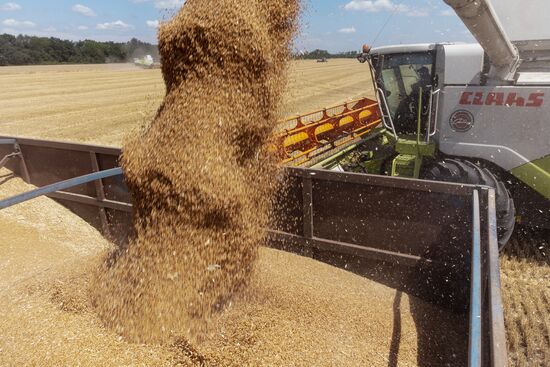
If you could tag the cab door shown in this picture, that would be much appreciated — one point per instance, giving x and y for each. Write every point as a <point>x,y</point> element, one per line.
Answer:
<point>404,78</point>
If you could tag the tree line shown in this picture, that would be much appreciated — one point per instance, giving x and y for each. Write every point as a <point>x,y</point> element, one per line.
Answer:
<point>32,50</point>
<point>324,54</point>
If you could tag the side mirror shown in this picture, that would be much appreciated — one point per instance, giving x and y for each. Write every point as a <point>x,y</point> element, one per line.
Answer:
<point>363,57</point>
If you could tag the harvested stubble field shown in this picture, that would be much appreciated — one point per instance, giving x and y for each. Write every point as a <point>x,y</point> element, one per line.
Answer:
<point>525,278</point>
<point>101,103</point>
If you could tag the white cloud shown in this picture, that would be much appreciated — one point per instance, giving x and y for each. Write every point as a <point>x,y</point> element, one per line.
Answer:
<point>84,10</point>
<point>82,27</point>
<point>373,6</point>
<point>116,25</point>
<point>168,4</point>
<point>418,13</point>
<point>18,23</point>
<point>10,7</point>
<point>347,30</point>
<point>162,4</point>
<point>447,12</point>
<point>152,23</point>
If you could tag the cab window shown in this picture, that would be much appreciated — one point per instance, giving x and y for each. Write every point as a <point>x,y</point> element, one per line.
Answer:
<point>402,76</point>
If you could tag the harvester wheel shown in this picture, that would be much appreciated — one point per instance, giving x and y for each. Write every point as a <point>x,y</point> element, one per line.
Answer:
<point>454,170</point>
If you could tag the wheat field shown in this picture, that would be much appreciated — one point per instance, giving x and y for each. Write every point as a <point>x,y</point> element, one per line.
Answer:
<point>100,104</point>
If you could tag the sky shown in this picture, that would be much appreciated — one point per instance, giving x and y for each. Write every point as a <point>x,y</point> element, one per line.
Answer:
<point>334,25</point>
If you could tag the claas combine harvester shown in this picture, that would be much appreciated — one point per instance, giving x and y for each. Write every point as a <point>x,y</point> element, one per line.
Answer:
<point>465,113</point>
<point>410,187</point>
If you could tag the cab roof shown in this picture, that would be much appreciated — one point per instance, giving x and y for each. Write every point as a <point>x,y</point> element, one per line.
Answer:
<point>396,49</point>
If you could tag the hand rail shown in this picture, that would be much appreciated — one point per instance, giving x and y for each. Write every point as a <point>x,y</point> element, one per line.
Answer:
<point>475,347</point>
<point>498,339</point>
<point>429,124</point>
<point>432,133</point>
<point>58,186</point>
<point>383,100</point>
<point>7,141</point>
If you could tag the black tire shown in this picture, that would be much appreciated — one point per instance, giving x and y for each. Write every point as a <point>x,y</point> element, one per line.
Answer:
<point>462,171</point>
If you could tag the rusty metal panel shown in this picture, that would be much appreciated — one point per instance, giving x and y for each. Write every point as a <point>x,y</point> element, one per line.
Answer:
<point>115,189</point>
<point>361,221</point>
<point>62,166</point>
<point>103,203</point>
<point>422,225</point>
<point>73,147</point>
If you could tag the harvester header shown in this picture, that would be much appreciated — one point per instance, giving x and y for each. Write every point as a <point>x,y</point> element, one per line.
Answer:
<point>302,139</point>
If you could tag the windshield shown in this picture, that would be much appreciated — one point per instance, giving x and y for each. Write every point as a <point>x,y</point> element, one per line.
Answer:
<point>401,76</point>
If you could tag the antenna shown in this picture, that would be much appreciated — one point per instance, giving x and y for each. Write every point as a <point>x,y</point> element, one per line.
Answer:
<point>395,8</point>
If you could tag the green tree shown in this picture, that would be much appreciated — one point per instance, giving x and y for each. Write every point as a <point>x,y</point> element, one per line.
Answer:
<point>28,50</point>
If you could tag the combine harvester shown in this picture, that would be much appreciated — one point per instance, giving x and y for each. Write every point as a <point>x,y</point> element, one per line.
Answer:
<point>444,107</point>
<point>465,113</point>
<point>146,62</point>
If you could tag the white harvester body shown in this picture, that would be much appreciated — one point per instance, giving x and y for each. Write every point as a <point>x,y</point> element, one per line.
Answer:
<point>488,101</point>
<point>146,62</point>
<point>510,122</point>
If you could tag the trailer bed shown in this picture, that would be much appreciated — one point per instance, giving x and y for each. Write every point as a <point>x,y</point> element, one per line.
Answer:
<point>444,250</point>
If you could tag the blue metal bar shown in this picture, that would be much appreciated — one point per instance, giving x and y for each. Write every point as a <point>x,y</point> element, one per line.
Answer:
<point>498,335</point>
<point>475,288</point>
<point>7,141</point>
<point>58,186</point>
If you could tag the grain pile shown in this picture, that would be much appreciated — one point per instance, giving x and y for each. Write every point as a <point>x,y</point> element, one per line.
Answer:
<point>200,174</point>
<point>296,311</point>
<point>525,275</point>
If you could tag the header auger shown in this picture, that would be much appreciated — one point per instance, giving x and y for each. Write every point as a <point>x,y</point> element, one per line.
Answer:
<point>301,140</point>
